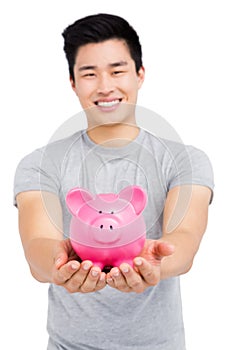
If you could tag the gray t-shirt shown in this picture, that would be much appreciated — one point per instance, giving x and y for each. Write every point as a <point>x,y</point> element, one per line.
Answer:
<point>109,319</point>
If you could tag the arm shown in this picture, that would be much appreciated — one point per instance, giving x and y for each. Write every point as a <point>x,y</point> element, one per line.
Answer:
<point>184,223</point>
<point>50,258</point>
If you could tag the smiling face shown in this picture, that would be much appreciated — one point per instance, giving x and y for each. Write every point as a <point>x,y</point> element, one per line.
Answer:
<point>106,82</point>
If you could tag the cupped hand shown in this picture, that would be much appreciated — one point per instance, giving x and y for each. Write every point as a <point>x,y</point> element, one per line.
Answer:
<point>146,271</point>
<point>73,275</point>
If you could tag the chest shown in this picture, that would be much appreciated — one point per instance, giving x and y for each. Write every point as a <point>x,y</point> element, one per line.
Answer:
<point>104,174</point>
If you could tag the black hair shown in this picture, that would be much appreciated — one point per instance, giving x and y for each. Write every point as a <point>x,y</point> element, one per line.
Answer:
<point>96,29</point>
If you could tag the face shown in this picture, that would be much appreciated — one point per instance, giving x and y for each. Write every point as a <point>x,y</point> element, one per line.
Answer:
<point>106,82</point>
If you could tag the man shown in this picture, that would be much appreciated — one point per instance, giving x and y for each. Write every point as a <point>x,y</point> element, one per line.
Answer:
<point>125,307</point>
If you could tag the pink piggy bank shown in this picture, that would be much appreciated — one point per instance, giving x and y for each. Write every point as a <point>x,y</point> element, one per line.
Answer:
<point>107,229</point>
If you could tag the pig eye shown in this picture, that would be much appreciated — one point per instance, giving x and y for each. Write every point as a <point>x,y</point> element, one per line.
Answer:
<point>112,212</point>
<point>111,228</point>
<point>101,226</point>
<point>100,211</point>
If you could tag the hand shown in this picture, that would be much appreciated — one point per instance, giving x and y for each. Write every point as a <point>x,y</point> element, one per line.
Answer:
<point>73,275</point>
<point>146,271</point>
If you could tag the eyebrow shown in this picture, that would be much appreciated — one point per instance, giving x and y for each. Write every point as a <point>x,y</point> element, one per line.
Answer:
<point>118,64</point>
<point>111,65</point>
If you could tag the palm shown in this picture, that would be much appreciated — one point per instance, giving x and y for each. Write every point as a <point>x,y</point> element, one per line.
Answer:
<point>154,250</point>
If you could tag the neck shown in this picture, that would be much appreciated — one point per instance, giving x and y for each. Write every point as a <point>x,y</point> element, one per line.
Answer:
<point>113,135</point>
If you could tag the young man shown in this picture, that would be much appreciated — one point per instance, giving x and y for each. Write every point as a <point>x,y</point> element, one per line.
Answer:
<point>127,307</point>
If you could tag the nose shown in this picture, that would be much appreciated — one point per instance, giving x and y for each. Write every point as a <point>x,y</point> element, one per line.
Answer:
<point>105,84</point>
<point>106,231</point>
<point>108,223</point>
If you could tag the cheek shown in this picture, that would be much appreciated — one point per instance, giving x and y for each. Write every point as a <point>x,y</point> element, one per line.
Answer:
<point>131,92</point>
<point>81,93</point>
<point>130,86</point>
<point>84,89</point>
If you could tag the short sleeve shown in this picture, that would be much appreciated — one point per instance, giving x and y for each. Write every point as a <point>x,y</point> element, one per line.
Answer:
<point>190,166</point>
<point>36,172</point>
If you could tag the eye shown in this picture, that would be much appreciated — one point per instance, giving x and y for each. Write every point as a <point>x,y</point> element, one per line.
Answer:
<point>100,211</point>
<point>117,72</point>
<point>112,212</point>
<point>111,228</point>
<point>101,226</point>
<point>89,75</point>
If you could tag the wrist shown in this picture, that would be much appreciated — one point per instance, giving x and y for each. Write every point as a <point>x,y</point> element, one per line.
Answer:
<point>40,256</point>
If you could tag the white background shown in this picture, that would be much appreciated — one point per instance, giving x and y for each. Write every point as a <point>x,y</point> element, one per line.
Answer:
<point>187,51</point>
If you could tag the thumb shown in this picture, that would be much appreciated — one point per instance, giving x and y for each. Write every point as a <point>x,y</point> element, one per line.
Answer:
<point>60,254</point>
<point>162,249</point>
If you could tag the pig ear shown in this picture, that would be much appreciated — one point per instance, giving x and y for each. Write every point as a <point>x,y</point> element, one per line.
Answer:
<point>136,196</point>
<point>76,198</point>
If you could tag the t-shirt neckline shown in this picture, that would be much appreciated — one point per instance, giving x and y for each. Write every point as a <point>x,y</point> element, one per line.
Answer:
<point>113,150</point>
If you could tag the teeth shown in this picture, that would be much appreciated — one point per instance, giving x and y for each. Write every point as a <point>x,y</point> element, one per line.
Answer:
<point>107,104</point>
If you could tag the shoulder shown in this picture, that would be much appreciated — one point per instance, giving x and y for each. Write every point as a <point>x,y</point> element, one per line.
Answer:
<point>173,150</point>
<point>54,152</point>
<point>180,163</point>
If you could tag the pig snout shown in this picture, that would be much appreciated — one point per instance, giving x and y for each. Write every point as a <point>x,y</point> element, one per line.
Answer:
<point>106,229</point>
<point>108,223</point>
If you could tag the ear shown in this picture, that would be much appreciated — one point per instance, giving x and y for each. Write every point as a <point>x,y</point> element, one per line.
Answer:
<point>76,198</point>
<point>72,83</point>
<point>136,196</point>
<point>141,76</point>
<point>73,86</point>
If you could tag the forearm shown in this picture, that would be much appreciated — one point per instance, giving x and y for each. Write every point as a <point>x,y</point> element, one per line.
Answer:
<point>39,253</point>
<point>185,218</point>
<point>180,262</point>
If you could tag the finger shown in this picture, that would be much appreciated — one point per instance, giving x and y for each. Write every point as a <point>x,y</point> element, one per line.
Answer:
<point>119,280</point>
<point>133,280</point>
<point>74,283</point>
<point>90,283</point>
<point>101,283</point>
<point>60,276</point>
<point>162,249</point>
<point>83,271</point>
<point>149,273</point>
<point>111,281</point>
